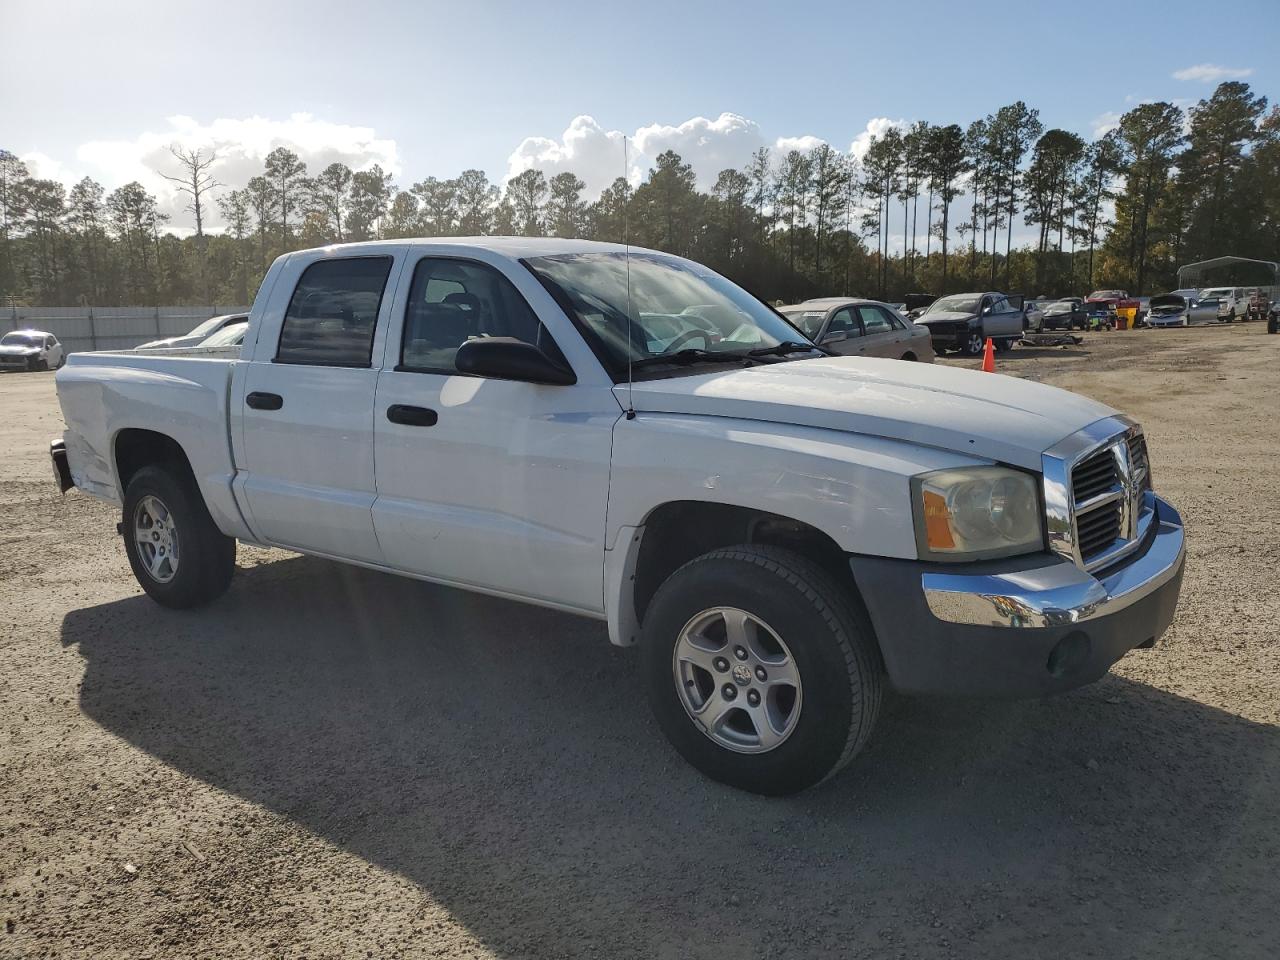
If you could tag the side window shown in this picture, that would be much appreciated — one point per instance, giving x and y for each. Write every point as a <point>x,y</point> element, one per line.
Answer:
<point>844,321</point>
<point>896,321</point>
<point>874,320</point>
<point>333,312</point>
<point>453,301</point>
<point>48,343</point>
<point>1000,305</point>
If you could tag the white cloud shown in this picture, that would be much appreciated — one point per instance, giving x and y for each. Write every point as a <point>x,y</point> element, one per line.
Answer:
<point>876,127</point>
<point>586,149</point>
<point>1104,123</point>
<point>1212,73</point>
<point>241,145</point>
<point>44,167</point>
<point>595,154</point>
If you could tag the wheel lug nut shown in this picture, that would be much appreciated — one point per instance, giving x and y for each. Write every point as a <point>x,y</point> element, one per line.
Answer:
<point>761,675</point>
<point>721,664</point>
<point>753,698</point>
<point>740,652</point>
<point>729,691</point>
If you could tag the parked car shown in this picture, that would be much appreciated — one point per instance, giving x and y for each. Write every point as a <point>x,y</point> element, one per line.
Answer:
<point>783,533</point>
<point>1259,304</point>
<point>963,321</point>
<point>1176,310</point>
<point>198,334</point>
<point>1273,317</point>
<point>916,304</point>
<point>31,350</point>
<point>855,327</point>
<point>1232,302</point>
<point>1065,315</point>
<point>232,335</point>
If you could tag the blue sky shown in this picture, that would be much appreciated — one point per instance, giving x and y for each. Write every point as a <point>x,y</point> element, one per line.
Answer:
<point>431,88</point>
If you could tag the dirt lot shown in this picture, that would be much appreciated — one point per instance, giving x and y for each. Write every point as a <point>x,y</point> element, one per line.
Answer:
<point>335,763</point>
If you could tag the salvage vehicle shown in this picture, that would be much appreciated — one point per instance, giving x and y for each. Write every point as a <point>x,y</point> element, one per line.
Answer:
<point>1232,302</point>
<point>1176,310</point>
<point>198,334</point>
<point>626,435</point>
<point>1099,315</point>
<point>31,350</point>
<point>1033,315</point>
<point>854,327</point>
<point>1064,315</point>
<point>1259,305</point>
<point>963,321</point>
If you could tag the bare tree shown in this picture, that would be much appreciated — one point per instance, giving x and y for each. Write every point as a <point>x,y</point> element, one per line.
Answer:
<point>195,181</point>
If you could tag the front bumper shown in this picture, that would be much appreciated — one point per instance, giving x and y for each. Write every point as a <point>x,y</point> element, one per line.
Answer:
<point>1023,626</point>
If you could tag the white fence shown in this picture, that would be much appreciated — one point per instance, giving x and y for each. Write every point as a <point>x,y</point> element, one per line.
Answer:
<point>109,328</point>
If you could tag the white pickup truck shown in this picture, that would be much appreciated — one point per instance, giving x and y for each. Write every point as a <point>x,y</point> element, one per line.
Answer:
<point>628,436</point>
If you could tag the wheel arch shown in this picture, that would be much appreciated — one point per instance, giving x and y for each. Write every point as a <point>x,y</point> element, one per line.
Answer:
<point>133,448</point>
<point>677,531</point>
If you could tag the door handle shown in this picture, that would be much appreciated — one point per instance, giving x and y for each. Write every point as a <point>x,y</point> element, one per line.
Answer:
<point>411,416</point>
<point>264,401</point>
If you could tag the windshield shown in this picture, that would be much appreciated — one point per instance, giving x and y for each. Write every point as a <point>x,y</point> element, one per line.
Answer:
<point>1216,292</point>
<point>19,340</point>
<point>1106,295</point>
<point>228,336</point>
<point>1058,308</point>
<point>960,303</point>
<point>674,305</point>
<point>809,321</point>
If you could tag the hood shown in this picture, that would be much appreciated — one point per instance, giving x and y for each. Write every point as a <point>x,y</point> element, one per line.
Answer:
<point>1167,302</point>
<point>965,411</point>
<point>170,342</point>
<point>17,350</point>
<point>944,316</point>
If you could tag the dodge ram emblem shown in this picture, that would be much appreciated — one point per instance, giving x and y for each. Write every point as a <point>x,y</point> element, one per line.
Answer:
<point>741,674</point>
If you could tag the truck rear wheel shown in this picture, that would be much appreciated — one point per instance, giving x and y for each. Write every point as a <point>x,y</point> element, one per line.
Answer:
<point>178,555</point>
<point>760,670</point>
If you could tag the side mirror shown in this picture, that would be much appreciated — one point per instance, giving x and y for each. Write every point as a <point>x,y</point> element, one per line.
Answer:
<point>833,336</point>
<point>986,310</point>
<point>505,358</point>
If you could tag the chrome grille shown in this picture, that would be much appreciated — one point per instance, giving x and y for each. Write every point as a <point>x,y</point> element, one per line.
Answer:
<point>1098,500</point>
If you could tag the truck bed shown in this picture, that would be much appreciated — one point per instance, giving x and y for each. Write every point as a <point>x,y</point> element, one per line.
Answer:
<point>183,392</point>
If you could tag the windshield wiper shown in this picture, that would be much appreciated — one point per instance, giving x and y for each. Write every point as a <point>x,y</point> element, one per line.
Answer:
<point>693,355</point>
<point>784,348</point>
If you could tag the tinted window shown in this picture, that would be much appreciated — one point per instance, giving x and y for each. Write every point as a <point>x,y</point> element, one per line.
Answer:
<point>1000,305</point>
<point>874,321</point>
<point>333,312</point>
<point>453,301</point>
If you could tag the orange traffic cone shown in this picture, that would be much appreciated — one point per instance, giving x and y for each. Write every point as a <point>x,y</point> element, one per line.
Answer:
<point>989,357</point>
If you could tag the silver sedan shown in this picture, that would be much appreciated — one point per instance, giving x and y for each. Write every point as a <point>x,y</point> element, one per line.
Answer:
<point>855,327</point>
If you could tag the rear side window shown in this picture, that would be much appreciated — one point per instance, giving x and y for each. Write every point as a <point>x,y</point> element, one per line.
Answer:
<point>453,301</point>
<point>333,313</point>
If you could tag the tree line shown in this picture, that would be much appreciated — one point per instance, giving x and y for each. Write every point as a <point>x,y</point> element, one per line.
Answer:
<point>1165,187</point>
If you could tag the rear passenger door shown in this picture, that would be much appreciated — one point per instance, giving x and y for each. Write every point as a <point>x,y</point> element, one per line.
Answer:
<point>305,443</point>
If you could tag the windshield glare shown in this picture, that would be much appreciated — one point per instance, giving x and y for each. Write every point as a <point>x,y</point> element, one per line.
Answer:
<point>19,340</point>
<point>229,335</point>
<point>1058,308</point>
<point>674,305</point>
<point>961,303</point>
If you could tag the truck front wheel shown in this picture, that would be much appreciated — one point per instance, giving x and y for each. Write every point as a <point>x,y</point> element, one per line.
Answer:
<point>760,669</point>
<point>178,555</point>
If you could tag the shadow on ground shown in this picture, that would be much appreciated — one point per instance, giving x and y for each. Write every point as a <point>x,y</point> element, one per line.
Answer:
<point>502,757</point>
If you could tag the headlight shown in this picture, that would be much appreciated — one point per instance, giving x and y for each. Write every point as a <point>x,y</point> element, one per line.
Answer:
<point>974,513</point>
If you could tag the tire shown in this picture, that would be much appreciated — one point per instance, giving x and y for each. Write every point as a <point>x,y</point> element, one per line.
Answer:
<point>1272,323</point>
<point>165,502</point>
<point>825,640</point>
<point>974,344</point>
<point>42,365</point>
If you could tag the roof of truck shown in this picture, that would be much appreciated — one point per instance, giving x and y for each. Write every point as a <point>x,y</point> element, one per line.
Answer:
<point>514,247</point>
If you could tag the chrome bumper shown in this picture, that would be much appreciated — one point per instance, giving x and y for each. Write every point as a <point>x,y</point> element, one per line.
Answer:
<point>1060,594</point>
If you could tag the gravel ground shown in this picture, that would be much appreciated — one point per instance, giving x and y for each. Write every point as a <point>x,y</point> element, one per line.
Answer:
<point>330,762</point>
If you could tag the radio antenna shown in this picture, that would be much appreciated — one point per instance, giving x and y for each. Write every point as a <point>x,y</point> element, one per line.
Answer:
<point>626,242</point>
